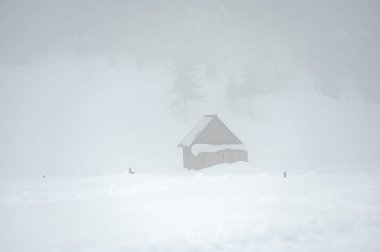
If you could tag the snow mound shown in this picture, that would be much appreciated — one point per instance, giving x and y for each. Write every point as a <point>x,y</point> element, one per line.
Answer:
<point>238,168</point>
<point>201,148</point>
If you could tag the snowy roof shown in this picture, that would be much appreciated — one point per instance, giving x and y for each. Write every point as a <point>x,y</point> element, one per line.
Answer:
<point>210,130</point>
<point>194,133</point>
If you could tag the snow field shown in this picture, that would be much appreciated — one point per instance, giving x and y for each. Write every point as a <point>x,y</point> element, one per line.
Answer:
<point>193,211</point>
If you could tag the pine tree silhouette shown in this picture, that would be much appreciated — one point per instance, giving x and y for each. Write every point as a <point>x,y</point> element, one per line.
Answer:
<point>254,84</point>
<point>186,87</point>
<point>232,93</point>
<point>248,89</point>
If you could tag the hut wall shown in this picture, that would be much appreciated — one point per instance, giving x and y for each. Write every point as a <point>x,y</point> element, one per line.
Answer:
<point>189,160</point>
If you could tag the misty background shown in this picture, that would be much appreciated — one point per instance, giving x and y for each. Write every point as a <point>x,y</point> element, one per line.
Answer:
<point>86,87</point>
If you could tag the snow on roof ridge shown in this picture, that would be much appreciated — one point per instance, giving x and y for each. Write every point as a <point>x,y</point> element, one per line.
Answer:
<point>194,133</point>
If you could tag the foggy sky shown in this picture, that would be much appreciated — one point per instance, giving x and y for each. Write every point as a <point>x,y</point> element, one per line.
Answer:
<point>332,39</point>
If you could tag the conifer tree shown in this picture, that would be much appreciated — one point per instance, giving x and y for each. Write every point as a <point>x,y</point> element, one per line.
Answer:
<point>232,93</point>
<point>248,89</point>
<point>253,85</point>
<point>186,87</point>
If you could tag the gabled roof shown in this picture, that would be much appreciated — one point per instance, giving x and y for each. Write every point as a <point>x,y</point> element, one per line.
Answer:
<point>205,131</point>
<point>196,131</point>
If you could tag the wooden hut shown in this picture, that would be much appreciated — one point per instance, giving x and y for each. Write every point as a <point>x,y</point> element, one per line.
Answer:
<point>211,143</point>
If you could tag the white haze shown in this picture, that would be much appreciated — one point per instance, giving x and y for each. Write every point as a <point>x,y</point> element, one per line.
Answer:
<point>84,84</point>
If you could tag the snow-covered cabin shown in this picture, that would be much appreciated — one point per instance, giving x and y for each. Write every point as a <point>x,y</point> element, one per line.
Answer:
<point>211,143</point>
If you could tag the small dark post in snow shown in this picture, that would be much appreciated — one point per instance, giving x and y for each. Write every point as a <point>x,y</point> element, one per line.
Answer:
<point>43,176</point>
<point>284,174</point>
<point>130,171</point>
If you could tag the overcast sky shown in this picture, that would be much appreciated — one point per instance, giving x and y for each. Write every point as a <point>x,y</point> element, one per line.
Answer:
<point>333,39</point>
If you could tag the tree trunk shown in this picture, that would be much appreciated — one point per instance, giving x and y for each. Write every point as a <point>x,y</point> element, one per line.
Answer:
<point>185,111</point>
<point>250,107</point>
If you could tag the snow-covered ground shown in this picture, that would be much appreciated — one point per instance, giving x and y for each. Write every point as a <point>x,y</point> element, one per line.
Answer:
<point>215,210</point>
